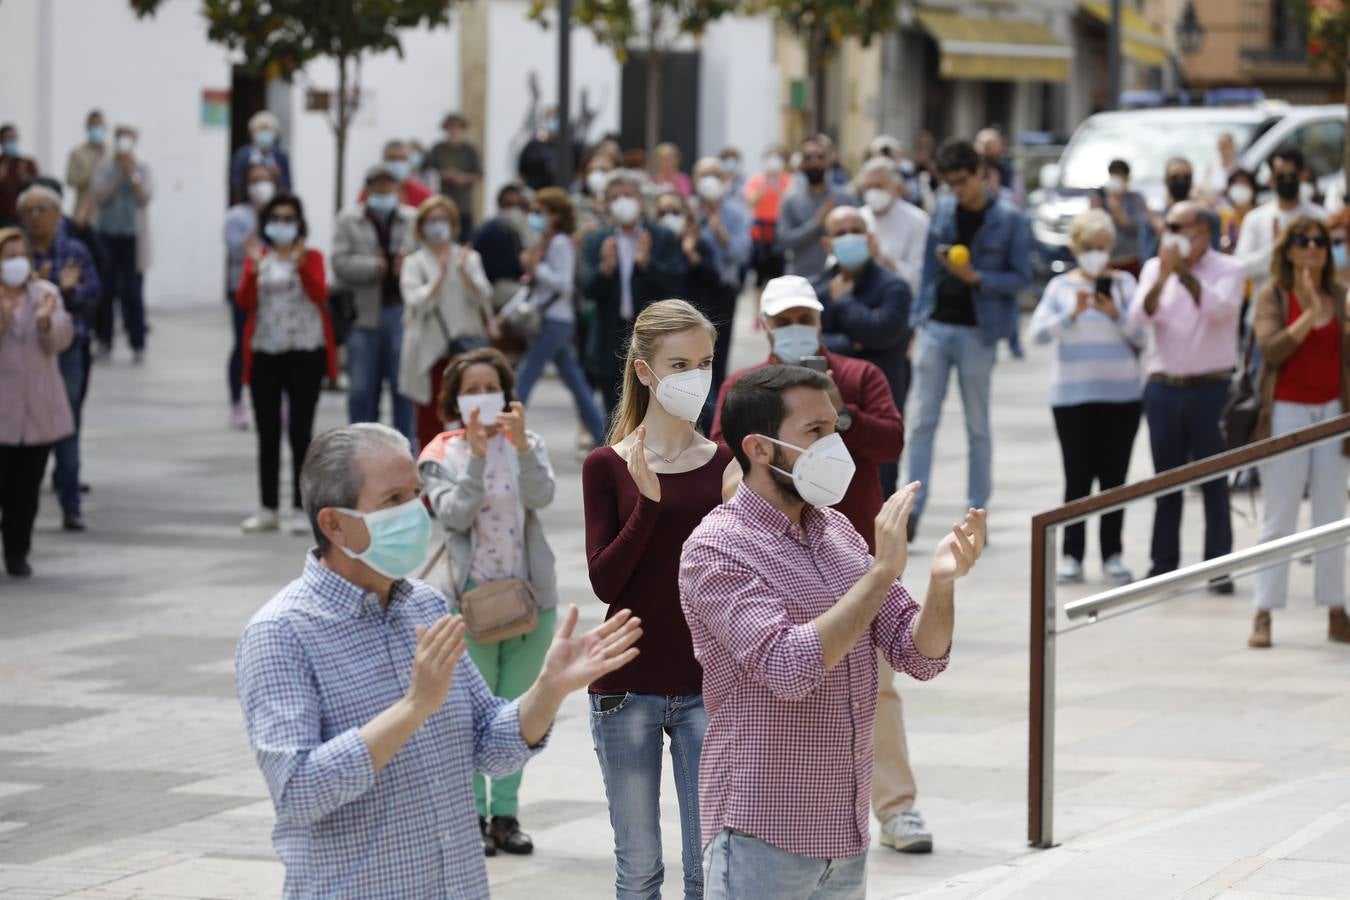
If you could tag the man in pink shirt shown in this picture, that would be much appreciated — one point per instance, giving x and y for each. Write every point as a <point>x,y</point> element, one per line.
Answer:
<point>1190,297</point>
<point>787,611</point>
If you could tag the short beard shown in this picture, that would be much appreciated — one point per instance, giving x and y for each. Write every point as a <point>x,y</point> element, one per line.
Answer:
<point>787,488</point>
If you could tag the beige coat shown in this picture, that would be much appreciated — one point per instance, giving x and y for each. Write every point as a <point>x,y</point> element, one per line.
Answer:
<point>356,257</point>
<point>435,315</point>
<point>1271,328</point>
<point>106,176</point>
<point>34,407</point>
<point>84,159</point>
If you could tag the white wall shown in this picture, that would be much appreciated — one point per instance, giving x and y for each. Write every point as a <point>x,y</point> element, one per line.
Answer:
<point>515,48</point>
<point>738,85</point>
<point>20,72</point>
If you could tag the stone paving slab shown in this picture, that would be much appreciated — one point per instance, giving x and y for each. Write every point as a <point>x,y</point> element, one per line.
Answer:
<point>1188,766</point>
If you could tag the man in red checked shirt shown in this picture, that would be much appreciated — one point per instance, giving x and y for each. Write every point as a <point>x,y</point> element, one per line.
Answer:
<point>787,610</point>
<point>873,433</point>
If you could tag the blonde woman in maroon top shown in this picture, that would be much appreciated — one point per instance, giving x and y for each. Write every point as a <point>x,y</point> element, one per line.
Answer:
<point>1302,327</point>
<point>644,494</point>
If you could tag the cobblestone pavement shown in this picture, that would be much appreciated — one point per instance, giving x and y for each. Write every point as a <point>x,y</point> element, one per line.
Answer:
<point>1189,766</point>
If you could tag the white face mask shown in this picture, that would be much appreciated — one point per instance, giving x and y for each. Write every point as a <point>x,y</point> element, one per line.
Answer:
<point>489,406</point>
<point>1115,185</point>
<point>596,181</point>
<point>15,270</point>
<point>125,144</point>
<point>674,222</point>
<point>1240,194</point>
<point>1093,262</point>
<point>683,394</point>
<point>773,164</point>
<point>878,199</point>
<point>625,210</point>
<point>822,472</point>
<point>1307,191</point>
<point>710,187</point>
<point>261,191</point>
<point>1180,241</point>
<point>437,232</point>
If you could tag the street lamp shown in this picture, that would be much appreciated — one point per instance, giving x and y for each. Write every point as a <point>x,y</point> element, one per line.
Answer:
<point>1190,33</point>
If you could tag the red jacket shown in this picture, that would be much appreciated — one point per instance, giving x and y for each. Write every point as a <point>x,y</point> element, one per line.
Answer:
<point>877,435</point>
<point>313,278</point>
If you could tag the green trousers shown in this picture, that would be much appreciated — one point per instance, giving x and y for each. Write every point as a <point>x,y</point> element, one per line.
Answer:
<point>509,667</point>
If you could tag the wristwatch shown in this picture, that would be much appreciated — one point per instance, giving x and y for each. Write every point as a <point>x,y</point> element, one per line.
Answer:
<point>844,422</point>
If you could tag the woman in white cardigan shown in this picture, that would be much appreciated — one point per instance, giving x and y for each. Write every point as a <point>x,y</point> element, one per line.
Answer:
<point>447,305</point>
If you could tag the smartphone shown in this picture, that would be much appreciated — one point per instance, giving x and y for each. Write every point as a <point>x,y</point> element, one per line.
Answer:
<point>1104,285</point>
<point>944,249</point>
<point>815,362</point>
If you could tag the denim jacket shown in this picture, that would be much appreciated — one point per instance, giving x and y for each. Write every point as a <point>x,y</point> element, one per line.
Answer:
<point>1001,253</point>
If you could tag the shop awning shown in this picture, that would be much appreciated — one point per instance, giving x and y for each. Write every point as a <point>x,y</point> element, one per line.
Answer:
<point>995,49</point>
<point>1139,40</point>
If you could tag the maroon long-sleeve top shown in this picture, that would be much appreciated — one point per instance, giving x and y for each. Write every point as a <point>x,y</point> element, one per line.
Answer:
<point>633,550</point>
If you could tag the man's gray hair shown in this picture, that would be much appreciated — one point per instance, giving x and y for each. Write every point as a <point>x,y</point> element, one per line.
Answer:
<point>630,177</point>
<point>879,164</point>
<point>331,476</point>
<point>38,190</point>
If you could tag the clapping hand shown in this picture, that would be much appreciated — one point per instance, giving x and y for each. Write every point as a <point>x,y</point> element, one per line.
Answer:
<point>644,249</point>
<point>957,552</point>
<point>892,531</point>
<point>70,276</point>
<point>574,662</point>
<point>439,649</point>
<point>609,256</point>
<point>46,308</point>
<point>476,434</point>
<point>511,422</point>
<point>840,285</point>
<point>648,484</point>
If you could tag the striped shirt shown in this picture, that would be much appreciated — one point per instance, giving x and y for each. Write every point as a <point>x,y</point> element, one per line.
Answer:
<point>1096,358</point>
<point>320,660</point>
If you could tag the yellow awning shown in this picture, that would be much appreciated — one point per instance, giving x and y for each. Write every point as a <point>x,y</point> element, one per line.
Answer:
<point>995,49</point>
<point>1139,40</point>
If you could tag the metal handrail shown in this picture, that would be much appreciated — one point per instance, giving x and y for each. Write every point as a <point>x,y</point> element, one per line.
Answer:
<point>1041,724</point>
<point>1240,562</point>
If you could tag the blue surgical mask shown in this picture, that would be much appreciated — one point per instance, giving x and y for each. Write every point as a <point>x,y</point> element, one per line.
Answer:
<point>264,138</point>
<point>551,124</point>
<point>537,222</point>
<point>96,134</point>
<point>400,168</point>
<point>399,538</point>
<point>416,160</point>
<point>437,233</point>
<point>11,148</point>
<point>382,203</point>
<point>1338,256</point>
<point>281,232</point>
<point>793,342</point>
<point>851,250</point>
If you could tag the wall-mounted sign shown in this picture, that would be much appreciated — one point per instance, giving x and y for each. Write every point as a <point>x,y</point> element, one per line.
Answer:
<point>216,108</point>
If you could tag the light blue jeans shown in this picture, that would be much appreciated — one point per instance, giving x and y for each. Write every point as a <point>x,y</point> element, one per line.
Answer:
<point>628,740</point>
<point>937,349</point>
<point>554,344</point>
<point>372,359</point>
<point>737,866</point>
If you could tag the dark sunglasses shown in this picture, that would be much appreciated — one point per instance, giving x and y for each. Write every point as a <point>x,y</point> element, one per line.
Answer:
<point>1304,241</point>
<point>1178,227</point>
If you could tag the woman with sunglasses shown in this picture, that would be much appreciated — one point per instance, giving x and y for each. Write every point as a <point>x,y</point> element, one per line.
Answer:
<point>288,348</point>
<point>1302,328</point>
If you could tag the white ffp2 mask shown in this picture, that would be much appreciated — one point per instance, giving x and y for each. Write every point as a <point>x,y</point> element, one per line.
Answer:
<point>822,472</point>
<point>683,394</point>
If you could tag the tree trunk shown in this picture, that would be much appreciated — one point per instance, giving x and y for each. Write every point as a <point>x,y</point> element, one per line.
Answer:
<point>815,67</point>
<point>1345,159</point>
<point>655,59</point>
<point>340,134</point>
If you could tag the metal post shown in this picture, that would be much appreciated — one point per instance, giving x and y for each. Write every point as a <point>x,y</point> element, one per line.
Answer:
<point>1113,57</point>
<point>564,136</point>
<point>1041,733</point>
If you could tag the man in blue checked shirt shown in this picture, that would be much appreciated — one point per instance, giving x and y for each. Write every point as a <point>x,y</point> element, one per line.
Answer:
<point>366,720</point>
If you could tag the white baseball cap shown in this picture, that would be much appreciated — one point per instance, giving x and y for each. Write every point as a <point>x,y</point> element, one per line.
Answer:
<point>788,292</point>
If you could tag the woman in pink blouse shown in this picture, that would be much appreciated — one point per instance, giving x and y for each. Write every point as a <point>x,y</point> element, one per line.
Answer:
<point>668,170</point>
<point>34,409</point>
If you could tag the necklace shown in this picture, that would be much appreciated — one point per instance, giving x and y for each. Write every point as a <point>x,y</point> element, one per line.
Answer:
<point>693,436</point>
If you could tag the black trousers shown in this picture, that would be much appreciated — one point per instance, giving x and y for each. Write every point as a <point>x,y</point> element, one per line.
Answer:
<point>21,469</point>
<point>298,375</point>
<point>1096,440</point>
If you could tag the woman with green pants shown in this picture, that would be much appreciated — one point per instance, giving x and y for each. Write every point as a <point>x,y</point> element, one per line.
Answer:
<point>486,481</point>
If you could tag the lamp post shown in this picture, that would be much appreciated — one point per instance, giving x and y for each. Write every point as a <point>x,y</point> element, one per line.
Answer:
<point>1113,57</point>
<point>1190,33</point>
<point>564,136</point>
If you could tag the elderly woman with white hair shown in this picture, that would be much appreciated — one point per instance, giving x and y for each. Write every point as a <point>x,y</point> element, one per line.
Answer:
<point>1095,382</point>
<point>264,149</point>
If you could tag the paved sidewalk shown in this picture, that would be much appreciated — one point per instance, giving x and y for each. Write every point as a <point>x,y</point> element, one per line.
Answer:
<point>1189,766</point>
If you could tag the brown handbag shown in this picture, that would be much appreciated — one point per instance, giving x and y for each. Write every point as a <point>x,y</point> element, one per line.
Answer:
<point>499,610</point>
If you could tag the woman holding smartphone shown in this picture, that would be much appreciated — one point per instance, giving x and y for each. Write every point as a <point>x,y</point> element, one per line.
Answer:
<point>1095,382</point>
<point>644,494</point>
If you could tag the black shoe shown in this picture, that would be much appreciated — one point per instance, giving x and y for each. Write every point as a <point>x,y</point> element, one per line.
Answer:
<point>72,522</point>
<point>506,834</point>
<point>18,568</point>
<point>1222,585</point>
<point>489,845</point>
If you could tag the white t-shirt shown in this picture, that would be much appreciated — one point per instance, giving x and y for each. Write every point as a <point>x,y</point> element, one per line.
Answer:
<point>901,233</point>
<point>1260,229</point>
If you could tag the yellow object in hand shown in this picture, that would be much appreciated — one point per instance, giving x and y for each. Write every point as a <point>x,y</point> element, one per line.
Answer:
<point>959,255</point>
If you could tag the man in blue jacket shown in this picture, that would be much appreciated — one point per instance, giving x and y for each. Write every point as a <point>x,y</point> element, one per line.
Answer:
<point>866,309</point>
<point>967,304</point>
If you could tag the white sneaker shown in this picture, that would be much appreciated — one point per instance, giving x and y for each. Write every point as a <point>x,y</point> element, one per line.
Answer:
<point>263,520</point>
<point>1115,570</point>
<point>297,523</point>
<point>907,833</point>
<point>1070,571</point>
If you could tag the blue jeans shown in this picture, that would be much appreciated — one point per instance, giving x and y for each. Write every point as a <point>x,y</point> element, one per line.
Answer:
<point>372,359</point>
<point>235,366</point>
<point>937,349</point>
<point>67,451</point>
<point>554,344</point>
<point>737,866</point>
<point>125,285</point>
<point>628,740</point>
<point>1183,425</point>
